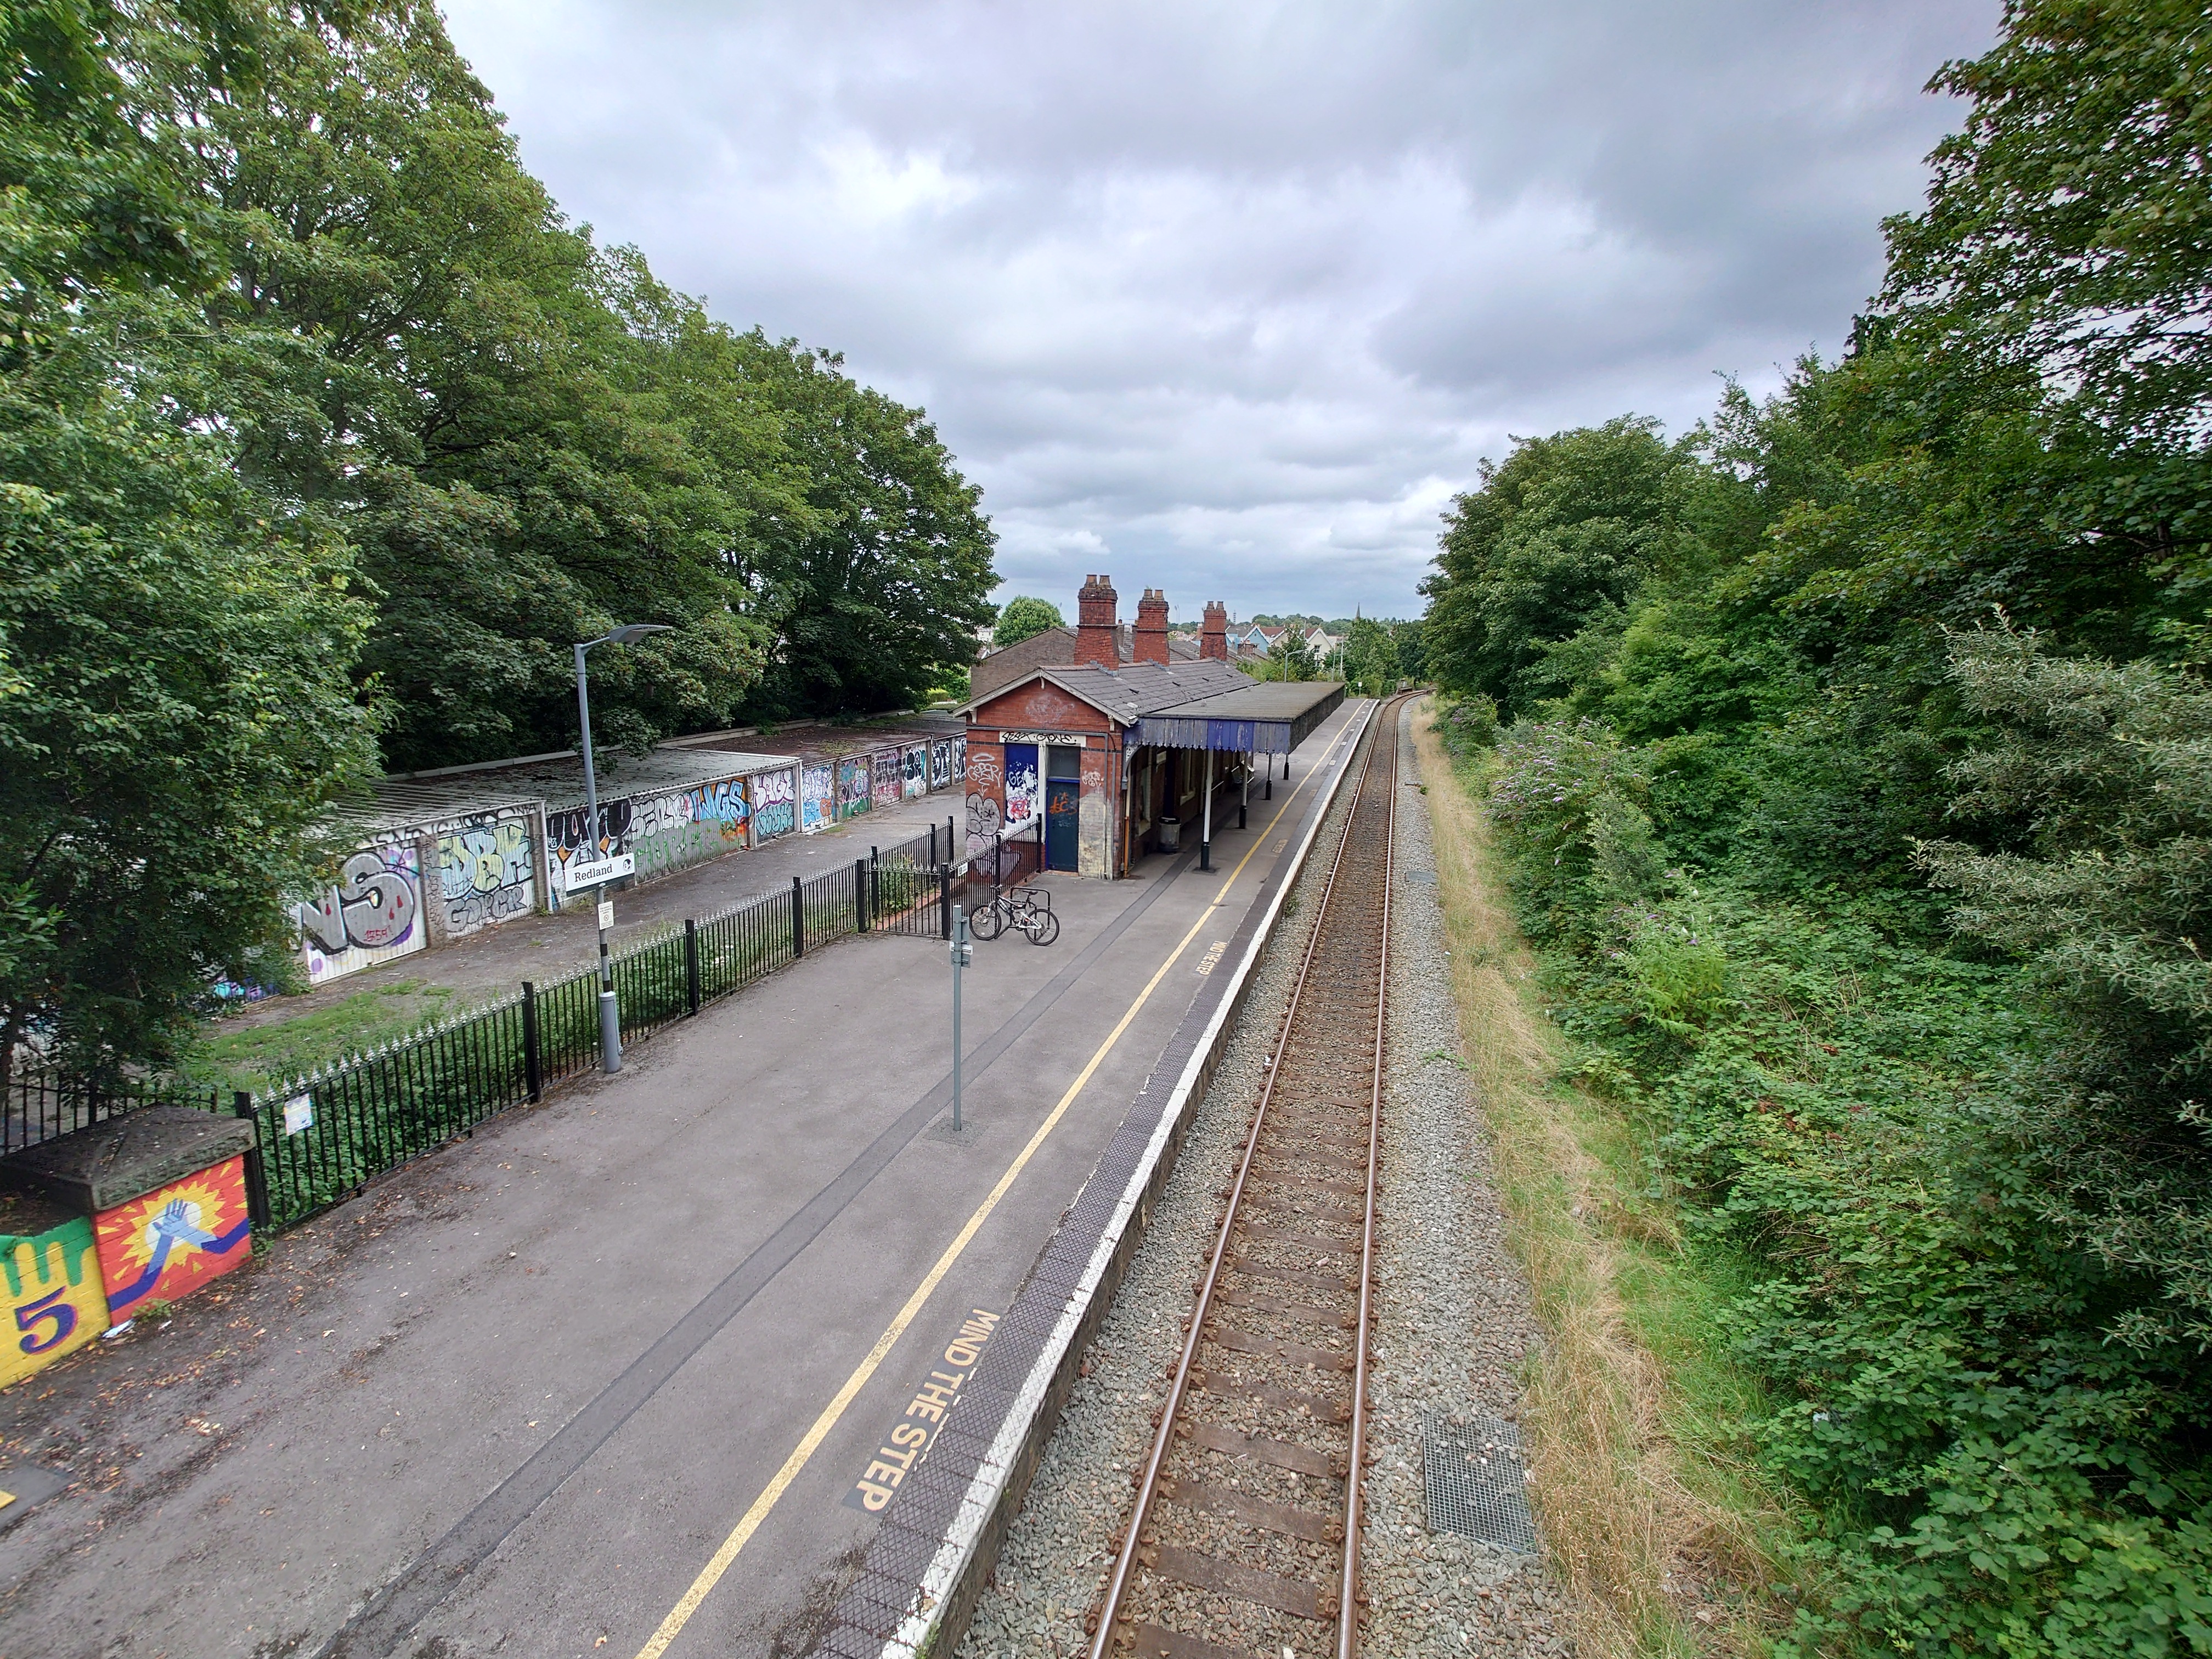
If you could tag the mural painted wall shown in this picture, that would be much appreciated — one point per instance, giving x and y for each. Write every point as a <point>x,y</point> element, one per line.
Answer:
<point>487,873</point>
<point>817,796</point>
<point>1020,792</point>
<point>568,840</point>
<point>173,1240</point>
<point>674,830</point>
<point>987,796</point>
<point>54,1290</point>
<point>372,914</point>
<point>886,769</point>
<point>914,771</point>
<point>941,773</point>
<point>776,804</point>
<point>853,792</point>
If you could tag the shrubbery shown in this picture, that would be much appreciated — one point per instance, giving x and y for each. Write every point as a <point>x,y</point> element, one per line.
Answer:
<point>1858,789</point>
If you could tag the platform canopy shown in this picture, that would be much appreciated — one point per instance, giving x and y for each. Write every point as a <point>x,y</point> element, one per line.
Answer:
<point>1260,718</point>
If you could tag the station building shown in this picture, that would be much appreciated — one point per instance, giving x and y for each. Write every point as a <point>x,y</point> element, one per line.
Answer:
<point>1129,749</point>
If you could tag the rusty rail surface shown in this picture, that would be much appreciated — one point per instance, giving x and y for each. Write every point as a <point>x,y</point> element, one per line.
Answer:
<point>1244,1538</point>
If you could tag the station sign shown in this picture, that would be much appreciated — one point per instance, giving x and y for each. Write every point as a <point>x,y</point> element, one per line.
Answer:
<point>590,872</point>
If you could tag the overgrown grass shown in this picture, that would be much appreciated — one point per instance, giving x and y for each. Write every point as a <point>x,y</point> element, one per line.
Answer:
<point>1652,1512</point>
<point>254,1057</point>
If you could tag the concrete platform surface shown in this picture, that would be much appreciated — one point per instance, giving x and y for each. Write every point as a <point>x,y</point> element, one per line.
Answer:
<point>612,1367</point>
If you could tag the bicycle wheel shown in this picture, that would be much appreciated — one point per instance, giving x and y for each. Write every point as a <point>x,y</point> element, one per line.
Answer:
<point>1041,925</point>
<point>990,921</point>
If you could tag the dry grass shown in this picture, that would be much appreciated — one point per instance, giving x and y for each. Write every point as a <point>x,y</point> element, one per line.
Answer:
<point>1657,1562</point>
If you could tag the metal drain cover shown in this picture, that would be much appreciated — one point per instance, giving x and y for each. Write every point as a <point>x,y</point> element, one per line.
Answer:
<point>1472,1475</point>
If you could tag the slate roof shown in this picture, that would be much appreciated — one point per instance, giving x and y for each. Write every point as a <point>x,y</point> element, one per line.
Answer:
<point>1135,688</point>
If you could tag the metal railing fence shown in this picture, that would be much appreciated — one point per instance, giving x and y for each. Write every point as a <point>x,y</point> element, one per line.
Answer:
<point>325,1134</point>
<point>42,1102</point>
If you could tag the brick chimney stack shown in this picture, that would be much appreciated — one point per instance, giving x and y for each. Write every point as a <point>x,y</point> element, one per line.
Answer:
<point>1150,644</point>
<point>1213,632</point>
<point>1096,630</point>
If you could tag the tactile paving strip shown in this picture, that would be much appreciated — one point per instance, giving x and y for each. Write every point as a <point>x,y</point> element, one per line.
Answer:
<point>1475,1480</point>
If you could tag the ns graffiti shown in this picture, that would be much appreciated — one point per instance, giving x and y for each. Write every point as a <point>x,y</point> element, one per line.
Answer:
<point>369,915</point>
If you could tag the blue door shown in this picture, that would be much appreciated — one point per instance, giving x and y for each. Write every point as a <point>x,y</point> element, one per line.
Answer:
<point>1060,819</point>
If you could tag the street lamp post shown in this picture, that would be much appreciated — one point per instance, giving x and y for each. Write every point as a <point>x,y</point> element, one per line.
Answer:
<point>609,1014</point>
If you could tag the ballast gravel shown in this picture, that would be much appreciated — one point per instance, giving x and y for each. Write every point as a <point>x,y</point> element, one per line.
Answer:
<point>1453,1324</point>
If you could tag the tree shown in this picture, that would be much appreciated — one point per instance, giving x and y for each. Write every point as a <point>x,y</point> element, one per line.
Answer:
<point>880,589</point>
<point>2067,227</point>
<point>1557,537</point>
<point>1023,618</point>
<point>175,710</point>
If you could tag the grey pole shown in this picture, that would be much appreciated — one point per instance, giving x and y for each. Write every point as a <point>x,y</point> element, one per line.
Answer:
<point>962,954</point>
<point>609,1014</point>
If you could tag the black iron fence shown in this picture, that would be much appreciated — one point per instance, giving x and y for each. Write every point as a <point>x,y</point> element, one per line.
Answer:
<point>42,1102</point>
<point>326,1135</point>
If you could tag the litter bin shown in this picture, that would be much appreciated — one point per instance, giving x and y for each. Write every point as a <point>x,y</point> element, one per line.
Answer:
<point>1170,835</point>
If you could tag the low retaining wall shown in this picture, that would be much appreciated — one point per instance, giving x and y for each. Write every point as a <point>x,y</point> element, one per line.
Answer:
<point>918,1586</point>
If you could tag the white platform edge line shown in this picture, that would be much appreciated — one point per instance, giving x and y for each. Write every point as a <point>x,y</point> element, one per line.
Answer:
<point>966,1529</point>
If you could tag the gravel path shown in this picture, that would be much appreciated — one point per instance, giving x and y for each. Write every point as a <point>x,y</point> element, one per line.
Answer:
<point>1453,1326</point>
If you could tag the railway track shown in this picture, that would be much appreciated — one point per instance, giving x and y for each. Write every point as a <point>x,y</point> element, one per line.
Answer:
<point>1244,1541</point>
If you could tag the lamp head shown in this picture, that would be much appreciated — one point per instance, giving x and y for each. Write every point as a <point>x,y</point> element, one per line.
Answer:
<point>631,633</point>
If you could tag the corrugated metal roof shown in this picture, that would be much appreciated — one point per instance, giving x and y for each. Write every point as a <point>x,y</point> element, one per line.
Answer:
<point>399,803</point>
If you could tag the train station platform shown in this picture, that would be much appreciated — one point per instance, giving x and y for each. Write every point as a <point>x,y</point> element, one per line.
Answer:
<point>632,1371</point>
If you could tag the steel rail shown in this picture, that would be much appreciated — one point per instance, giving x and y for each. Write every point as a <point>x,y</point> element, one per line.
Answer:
<point>1163,1442</point>
<point>1347,1619</point>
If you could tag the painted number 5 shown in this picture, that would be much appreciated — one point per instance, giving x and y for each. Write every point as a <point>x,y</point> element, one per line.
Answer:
<point>31,1314</point>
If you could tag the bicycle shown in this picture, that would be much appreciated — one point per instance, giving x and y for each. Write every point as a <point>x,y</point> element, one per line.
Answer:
<point>1029,908</point>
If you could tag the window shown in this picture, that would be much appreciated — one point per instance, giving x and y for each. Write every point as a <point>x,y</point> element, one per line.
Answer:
<point>1062,762</point>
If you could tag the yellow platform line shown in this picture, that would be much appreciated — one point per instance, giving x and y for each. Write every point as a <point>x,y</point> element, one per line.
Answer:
<point>749,1522</point>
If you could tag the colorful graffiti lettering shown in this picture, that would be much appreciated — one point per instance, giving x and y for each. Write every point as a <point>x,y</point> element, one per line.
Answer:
<point>367,917</point>
<point>1021,783</point>
<point>175,1238</point>
<point>566,836</point>
<point>776,813</point>
<point>55,1293</point>
<point>888,790</point>
<point>817,798</point>
<point>487,873</point>
<point>853,792</point>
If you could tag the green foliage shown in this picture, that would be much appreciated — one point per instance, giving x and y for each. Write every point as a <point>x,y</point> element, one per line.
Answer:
<point>323,434</point>
<point>174,713</point>
<point>1858,792</point>
<point>1023,618</point>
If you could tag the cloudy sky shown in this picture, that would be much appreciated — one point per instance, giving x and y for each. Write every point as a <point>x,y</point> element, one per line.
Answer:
<point>1231,298</point>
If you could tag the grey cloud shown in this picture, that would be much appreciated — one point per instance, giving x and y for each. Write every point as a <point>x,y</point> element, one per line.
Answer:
<point>1236,297</point>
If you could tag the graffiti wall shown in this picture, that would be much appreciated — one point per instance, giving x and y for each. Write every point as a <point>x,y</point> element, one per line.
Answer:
<point>914,771</point>
<point>776,811</point>
<point>487,873</point>
<point>569,844</point>
<point>940,763</point>
<point>817,796</point>
<point>986,814</point>
<point>852,786</point>
<point>887,772</point>
<point>372,914</point>
<point>1020,793</point>
<point>175,1238</point>
<point>54,1290</point>
<point>683,827</point>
